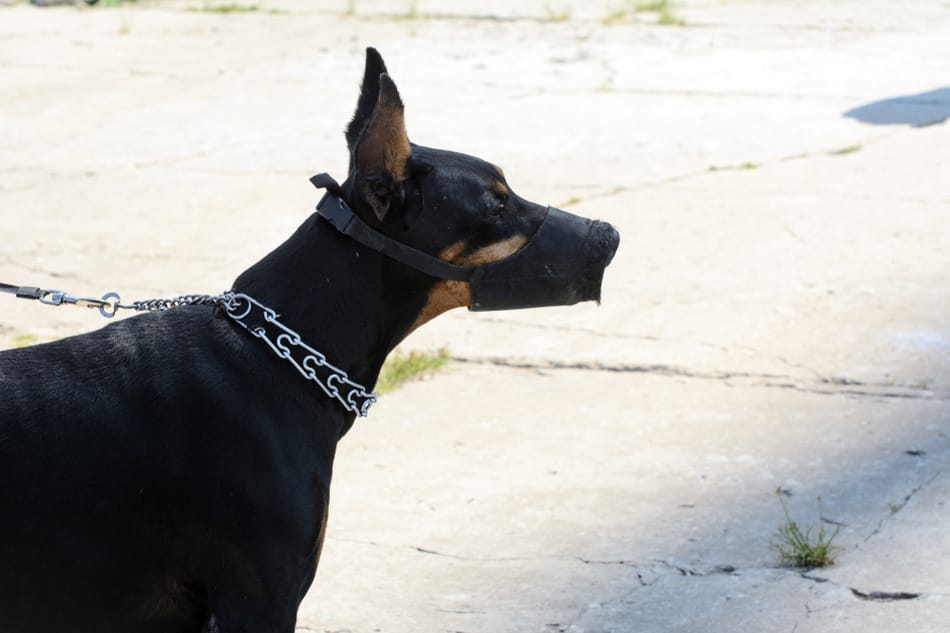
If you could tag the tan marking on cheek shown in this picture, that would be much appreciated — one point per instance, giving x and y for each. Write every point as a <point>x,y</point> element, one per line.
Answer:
<point>448,294</point>
<point>450,252</point>
<point>494,252</point>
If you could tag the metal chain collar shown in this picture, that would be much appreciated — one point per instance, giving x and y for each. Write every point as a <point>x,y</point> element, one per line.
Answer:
<point>256,318</point>
<point>262,323</point>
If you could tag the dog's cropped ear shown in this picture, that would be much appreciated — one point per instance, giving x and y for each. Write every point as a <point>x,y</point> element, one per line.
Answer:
<point>380,160</point>
<point>369,95</point>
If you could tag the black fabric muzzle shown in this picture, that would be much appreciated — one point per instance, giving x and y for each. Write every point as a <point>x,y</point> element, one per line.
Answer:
<point>562,264</point>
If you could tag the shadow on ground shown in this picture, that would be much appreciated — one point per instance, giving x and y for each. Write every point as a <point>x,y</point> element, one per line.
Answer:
<point>920,110</point>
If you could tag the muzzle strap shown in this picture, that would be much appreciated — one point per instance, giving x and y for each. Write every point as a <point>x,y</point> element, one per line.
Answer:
<point>561,264</point>
<point>334,210</point>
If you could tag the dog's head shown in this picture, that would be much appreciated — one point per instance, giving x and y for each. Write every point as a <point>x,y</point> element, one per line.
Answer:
<point>462,210</point>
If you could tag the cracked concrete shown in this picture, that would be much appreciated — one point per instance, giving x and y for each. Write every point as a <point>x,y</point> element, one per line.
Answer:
<point>776,317</point>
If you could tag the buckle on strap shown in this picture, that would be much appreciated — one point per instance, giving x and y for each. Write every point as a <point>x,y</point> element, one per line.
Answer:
<point>335,211</point>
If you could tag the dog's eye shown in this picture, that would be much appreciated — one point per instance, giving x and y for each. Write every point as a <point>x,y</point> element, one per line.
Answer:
<point>497,208</point>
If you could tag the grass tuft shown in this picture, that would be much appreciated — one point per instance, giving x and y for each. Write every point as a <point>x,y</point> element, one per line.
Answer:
<point>556,14</point>
<point>25,340</point>
<point>401,367</point>
<point>802,548</point>
<point>412,12</point>
<point>746,166</point>
<point>663,9</point>
<point>850,149</point>
<point>231,7</point>
<point>614,16</point>
<point>668,18</point>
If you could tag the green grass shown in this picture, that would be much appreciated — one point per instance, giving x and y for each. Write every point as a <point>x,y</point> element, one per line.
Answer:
<point>401,367</point>
<point>615,16</point>
<point>803,548</point>
<point>231,7</point>
<point>412,12</point>
<point>850,149</point>
<point>665,14</point>
<point>746,166</point>
<point>668,17</point>
<point>556,14</point>
<point>24,340</point>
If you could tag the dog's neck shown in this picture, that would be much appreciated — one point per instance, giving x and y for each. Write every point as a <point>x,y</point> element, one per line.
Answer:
<point>344,299</point>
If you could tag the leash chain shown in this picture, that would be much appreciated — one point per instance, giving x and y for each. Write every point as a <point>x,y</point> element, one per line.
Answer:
<point>262,323</point>
<point>151,305</point>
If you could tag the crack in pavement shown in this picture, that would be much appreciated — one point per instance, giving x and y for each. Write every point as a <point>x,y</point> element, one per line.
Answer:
<point>432,552</point>
<point>697,173</point>
<point>668,569</point>
<point>870,596</point>
<point>730,570</point>
<point>837,385</point>
<point>653,564</point>
<point>896,508</point>
<point>884,596</point>
<point>575,329</point>
<point>757,353</point>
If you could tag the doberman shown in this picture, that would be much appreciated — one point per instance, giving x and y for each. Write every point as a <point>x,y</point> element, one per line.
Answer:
<point>171,471</point>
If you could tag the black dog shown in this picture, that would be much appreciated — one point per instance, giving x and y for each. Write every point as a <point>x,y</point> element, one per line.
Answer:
<point>171,472</point>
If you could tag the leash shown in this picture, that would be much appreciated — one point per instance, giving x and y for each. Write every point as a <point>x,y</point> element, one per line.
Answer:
<point>107,305</point>
<point>259,320</point>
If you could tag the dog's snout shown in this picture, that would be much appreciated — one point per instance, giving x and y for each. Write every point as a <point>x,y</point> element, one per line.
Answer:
<point>607,237</point>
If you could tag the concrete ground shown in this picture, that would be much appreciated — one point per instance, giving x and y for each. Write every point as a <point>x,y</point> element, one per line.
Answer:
<point>778,315</point>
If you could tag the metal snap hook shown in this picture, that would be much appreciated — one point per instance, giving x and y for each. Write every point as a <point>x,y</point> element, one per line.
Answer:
<point>110,302</point>
<point>51,297</point>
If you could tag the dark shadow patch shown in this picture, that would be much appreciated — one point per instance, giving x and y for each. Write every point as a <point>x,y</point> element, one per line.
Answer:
<point>920,110</point>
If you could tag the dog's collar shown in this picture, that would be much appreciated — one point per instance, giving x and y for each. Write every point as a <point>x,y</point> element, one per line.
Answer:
<point>334,210</point>
<point>262,323</point>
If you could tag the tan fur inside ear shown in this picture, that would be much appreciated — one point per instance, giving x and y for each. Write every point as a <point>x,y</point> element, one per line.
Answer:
<point>384,145</point>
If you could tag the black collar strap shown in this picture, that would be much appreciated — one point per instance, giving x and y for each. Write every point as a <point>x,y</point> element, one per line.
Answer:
<point>334,210</point>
